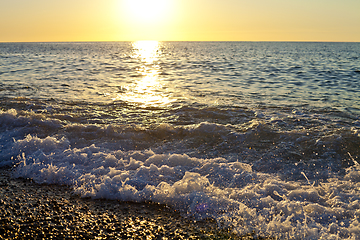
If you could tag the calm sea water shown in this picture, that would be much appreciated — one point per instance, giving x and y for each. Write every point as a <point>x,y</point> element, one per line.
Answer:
<point>262,137</point>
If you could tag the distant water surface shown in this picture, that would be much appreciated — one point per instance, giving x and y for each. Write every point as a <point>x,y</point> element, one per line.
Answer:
<point>231,73</point>
<point>262,137</point>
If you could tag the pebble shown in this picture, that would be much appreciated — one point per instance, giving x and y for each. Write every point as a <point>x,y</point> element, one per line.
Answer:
<point>32,211</point>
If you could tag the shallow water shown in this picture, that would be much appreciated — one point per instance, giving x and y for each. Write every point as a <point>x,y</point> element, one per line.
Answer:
<point>262,137</point>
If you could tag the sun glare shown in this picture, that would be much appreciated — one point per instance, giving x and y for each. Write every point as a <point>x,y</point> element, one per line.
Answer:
<point>147,11</point>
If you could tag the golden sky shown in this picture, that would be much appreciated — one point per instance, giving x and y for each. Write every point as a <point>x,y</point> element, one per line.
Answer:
<point>179,20</point>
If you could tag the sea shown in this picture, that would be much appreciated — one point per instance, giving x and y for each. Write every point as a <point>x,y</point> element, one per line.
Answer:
<point>262,137</point>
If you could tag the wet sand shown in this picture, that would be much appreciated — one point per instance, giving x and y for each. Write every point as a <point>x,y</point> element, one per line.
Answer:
<point>33,211</point>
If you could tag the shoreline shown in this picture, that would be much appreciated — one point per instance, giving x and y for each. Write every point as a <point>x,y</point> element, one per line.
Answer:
<point>31,210</point>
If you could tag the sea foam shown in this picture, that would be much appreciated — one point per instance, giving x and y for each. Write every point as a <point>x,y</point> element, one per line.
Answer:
<point>230,192</point>
<point>253,135</point>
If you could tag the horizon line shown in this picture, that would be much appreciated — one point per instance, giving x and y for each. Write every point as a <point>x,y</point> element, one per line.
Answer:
<point>104,41</point>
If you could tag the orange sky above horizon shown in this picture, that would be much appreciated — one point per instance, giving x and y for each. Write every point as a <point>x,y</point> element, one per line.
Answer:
<point>179,20</point>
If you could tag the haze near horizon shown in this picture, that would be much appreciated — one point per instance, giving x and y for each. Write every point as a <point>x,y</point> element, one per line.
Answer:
<point>179,20</point>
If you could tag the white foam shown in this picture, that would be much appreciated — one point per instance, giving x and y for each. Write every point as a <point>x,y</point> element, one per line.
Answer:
<point>230,192</point>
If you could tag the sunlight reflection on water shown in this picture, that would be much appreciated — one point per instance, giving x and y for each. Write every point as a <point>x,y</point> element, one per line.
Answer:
<point>146,90</point>
<point>147,51</point>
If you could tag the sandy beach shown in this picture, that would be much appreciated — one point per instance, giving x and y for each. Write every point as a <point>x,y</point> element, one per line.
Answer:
<point>32,211</point>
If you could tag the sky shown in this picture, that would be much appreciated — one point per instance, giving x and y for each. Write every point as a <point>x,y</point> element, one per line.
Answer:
<point>179,20</point>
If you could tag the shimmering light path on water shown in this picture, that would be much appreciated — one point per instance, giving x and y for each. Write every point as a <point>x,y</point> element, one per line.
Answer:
<point>264,138</point>
<point>234,73</point>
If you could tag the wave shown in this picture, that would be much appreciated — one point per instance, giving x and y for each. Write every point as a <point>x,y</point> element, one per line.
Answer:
<point>230,192</point>
<point>279,174</point>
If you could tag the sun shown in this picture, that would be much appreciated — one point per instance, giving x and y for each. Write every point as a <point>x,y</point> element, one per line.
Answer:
<point>146,19</point>
<point>147,11</point>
